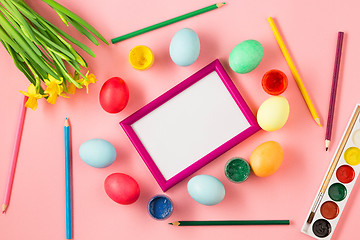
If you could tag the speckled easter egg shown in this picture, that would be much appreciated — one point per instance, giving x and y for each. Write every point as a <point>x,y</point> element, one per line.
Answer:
<point>246,56</point>
<point>206,190</point>
<point>185,47</point>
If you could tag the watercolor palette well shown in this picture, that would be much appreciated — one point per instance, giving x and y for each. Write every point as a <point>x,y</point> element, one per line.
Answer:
<point>337,184</point>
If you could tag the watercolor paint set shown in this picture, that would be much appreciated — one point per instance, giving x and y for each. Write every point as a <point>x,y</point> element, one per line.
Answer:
<point>337,184</point>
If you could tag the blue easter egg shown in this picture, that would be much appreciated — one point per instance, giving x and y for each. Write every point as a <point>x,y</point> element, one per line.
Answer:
<point>185,47</point>
<point>206,190</point>
<point>97,153</point>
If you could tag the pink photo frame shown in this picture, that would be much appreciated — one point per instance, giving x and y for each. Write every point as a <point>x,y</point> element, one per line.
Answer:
<point>190,125</point>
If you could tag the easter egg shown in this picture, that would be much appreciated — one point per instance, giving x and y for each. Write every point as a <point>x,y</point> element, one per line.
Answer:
<point>206,190</point>
<point>266,159</point>
<point>114,95</point>
<point>122,188</point>
<point>273,113</point>
<point>97,153</point>
<point>246,56</point>
<point>185,47</point>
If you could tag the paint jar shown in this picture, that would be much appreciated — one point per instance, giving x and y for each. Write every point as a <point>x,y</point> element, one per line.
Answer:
<point>141,57</point>
<point>160,207</point>
<point>237,170</point>
<point>274,82</point>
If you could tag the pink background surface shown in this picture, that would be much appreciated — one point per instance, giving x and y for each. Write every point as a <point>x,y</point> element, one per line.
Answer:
<point>309,28</point>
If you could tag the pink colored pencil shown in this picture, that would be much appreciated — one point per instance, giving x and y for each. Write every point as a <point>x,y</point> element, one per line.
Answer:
<point>14,155</point>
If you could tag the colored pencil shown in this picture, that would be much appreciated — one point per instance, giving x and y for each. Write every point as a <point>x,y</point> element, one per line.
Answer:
<point>333,165</point>
<point>294,71</point>
<point>167,22</point>
<point>333,89</point>
<point>231,223</point>
<point>15,154</point>
<point>67,179</point>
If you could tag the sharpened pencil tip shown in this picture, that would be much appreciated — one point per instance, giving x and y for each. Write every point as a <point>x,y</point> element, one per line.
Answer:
<point>317,120</point>
<point>4,207</point>
<point>170,224</point>
<point>327,144</point>
<point>66,124</point>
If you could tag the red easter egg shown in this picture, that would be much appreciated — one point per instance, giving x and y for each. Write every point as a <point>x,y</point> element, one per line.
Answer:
<point>114,95</point>
<point>122,188</point>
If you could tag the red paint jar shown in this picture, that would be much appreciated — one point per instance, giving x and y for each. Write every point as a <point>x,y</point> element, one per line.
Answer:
<point>274,82</point>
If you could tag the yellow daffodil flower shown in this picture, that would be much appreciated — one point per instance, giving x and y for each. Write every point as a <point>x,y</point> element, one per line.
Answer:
<point>54,89</point>
<point>85,82</point>
<point>33,96</point>
<point>71,87</point>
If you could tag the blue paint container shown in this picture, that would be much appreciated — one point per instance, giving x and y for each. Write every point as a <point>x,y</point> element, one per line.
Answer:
<point>160,207</point>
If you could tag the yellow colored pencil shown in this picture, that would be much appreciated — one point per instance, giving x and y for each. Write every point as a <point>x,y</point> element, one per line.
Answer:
<point>294,72</point>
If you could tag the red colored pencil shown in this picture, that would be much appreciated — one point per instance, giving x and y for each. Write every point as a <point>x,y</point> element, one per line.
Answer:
<point>333,90</point>
<point>14,155</point>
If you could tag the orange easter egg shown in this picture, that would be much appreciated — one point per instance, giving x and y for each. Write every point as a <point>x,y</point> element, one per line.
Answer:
<point>266,159</point>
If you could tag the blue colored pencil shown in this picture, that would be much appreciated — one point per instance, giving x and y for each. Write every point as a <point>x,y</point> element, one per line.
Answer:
<point>67,179</point>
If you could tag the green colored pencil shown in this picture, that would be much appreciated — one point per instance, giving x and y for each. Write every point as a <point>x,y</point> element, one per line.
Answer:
<point>167,22</point>
<point>232,222</point>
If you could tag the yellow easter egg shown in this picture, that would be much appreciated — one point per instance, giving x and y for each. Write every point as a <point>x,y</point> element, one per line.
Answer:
<point>273,113</point>
<point>266,159</point>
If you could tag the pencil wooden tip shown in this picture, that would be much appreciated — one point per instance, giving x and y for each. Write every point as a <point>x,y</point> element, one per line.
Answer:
<point>317,120</point>
<point>327,143</point>
<point>175,223</point>
<point>4,206</point>
<point>66,124</point>
<point>219,5</point>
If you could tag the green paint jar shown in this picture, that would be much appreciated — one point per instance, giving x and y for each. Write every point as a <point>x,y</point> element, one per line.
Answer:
<point>237,170</point>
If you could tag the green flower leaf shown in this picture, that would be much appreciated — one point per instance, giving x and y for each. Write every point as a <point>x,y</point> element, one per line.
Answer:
<point>75,17</point>
<point>62,17</point>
